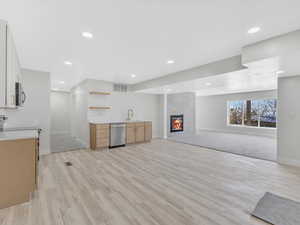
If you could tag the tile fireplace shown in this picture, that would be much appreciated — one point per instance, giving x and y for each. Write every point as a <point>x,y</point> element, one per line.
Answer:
<point>176,123</point>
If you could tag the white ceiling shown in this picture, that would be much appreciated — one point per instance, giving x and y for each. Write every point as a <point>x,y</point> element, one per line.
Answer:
<point>138,36</point>
<point>235,82</point>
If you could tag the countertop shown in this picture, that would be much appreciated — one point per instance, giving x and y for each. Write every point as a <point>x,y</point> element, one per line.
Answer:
<point>20,128</point>
<point>19,134</point>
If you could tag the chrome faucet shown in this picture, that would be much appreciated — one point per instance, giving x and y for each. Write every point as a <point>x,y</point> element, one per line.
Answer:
<point>3,118</point>
<point>130,114</point>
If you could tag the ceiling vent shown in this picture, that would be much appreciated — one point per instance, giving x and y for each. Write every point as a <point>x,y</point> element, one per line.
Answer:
<point>120,87</point>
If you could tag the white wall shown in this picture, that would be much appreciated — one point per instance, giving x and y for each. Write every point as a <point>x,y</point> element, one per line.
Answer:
<point>79,119</point>
<point>211,69</point>
<point>182,103</point>
<point>36,111</point>
<point>289,120</point>
<point>145,106</point>
<point>60,103</point>
<point>211,113</point>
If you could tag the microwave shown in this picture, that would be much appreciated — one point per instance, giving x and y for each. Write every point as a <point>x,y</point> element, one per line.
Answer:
<point>20,94</point>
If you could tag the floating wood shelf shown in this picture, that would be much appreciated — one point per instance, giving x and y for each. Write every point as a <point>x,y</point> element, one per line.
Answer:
<point>99,107</point>
<point>99,93</point>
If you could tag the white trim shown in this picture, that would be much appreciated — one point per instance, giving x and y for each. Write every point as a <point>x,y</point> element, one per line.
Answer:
<point>252,127</point>
<point>57,90</point>
<point>157,137</point>
<point>238,132</point>
<point>60,133</point>
<point>86,145</point>
<point>44,151</point>
<point>288,161</point>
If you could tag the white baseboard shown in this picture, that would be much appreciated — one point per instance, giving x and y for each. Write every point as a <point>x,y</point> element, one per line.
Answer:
<point>157,137</point>
<point>60,133</point>
<point>238,132</point>
<point>86,145</point>
<point>44,151</point>
<point>289,162</point>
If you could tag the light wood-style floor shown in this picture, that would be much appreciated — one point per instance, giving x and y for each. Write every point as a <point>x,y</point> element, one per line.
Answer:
<point>158,183</point>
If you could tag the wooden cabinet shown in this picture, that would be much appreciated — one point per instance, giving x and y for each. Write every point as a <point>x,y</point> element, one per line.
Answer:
<point>138,132</point>
<point>37,158</point>
<point>18,171</point>
<point>130,133</point>
<point>148,131</point>
<point>99,136</point>
<point>10,69</point>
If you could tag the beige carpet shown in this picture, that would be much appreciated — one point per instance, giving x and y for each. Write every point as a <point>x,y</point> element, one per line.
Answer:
<point>251,146</point>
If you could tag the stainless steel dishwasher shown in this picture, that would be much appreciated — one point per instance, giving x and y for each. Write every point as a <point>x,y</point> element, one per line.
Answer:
<point>117,135</point>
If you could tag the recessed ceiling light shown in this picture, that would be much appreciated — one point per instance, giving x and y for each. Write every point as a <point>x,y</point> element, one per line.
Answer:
<point>87,35</point>
<point>61,82</point>
<point>254,30</point>
<point>280,72</point>
<point>207,83</point>
<point>170,61</point>
<point>133,75</point>
<point>68,63</point>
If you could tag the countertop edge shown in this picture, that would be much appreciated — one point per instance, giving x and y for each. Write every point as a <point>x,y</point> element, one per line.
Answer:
<point>18,135</point>
<point>140,121</point>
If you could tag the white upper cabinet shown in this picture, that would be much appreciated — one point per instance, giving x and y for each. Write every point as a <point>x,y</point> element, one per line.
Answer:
<point>11,72</point>
<point>2,64</point>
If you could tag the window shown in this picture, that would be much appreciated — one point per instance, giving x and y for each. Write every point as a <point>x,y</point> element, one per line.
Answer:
<point>253,113</point>
<point>268,113</point>
<point>236,112</point>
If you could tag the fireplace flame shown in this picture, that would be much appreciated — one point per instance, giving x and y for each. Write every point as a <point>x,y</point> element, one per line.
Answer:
<point>177,124</point>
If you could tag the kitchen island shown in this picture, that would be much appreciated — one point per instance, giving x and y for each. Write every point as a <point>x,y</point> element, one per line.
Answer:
<point>136,132</point>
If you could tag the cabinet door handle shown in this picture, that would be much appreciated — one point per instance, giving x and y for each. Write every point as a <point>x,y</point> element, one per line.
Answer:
<point>23,97</point>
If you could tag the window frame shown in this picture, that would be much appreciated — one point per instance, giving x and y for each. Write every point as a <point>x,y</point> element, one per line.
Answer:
<point>243,118</point>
